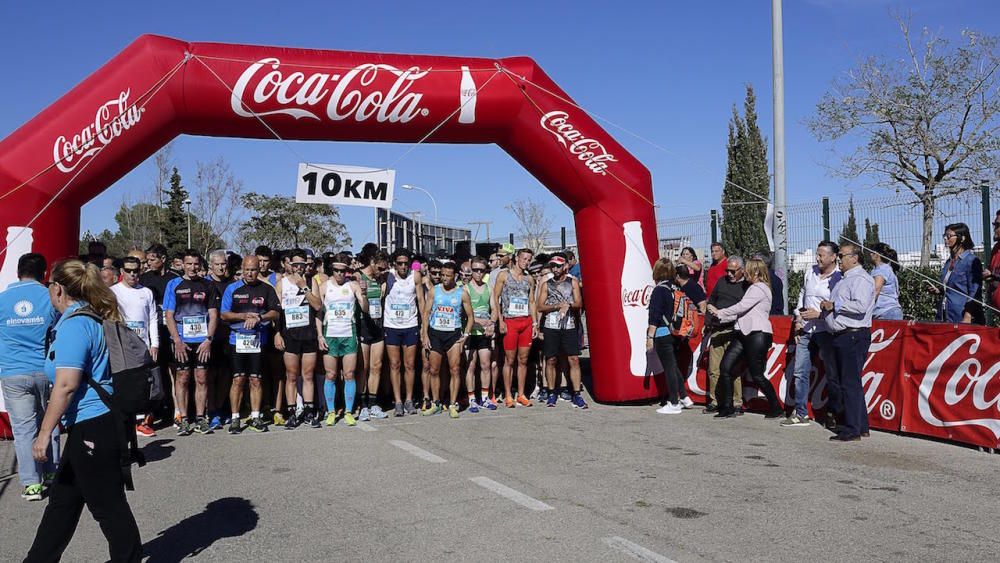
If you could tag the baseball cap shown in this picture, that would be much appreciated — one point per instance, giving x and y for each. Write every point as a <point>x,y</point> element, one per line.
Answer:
<point>558,261</point>
<point>507,248</point>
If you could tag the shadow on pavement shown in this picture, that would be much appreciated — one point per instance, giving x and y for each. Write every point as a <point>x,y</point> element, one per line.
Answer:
<point>157,450</point>
<point>223,518</point>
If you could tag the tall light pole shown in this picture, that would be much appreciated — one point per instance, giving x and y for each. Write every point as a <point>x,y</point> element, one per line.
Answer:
<point>187,203</point>
<point>780,232</point>
<point>434,203</point>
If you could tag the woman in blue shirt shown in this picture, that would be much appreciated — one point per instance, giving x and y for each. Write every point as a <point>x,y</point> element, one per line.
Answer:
<point>658,337</point>
<point>962,278</point>
<point>886,263</point>
<point>90,469</point>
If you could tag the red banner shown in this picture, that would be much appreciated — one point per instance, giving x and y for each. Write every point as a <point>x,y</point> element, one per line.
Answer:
<point>950,388</point>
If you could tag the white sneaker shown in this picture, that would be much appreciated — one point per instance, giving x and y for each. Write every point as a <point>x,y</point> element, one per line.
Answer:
<point>364,416</point>
<point>687,403</point>
<point>377,412</point>
<point>670,408</point>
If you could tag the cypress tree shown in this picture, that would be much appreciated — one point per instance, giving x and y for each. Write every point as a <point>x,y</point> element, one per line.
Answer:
<point>849,232</point>
<point>174,226</point>
<point>746,171</point>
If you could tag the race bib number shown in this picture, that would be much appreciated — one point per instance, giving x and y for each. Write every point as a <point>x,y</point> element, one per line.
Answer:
<point>555,320</point>
<point>138,327</point>
<point>297,317</point>
<point>292,302</point>
<point>517,307</point>
<point>247,343</point>
<point>445,318</point>
<point>482,315</point>
<point>338,320</point>
<point>375,308</point>
<point>401,310</point>
<point>195,327</point>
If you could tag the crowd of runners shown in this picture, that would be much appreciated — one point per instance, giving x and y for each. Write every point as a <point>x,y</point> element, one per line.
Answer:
<point>287,338</point>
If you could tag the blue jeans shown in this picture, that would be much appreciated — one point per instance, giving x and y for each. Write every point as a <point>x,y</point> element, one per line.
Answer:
<point>805,345</point>
<point>26,397</point>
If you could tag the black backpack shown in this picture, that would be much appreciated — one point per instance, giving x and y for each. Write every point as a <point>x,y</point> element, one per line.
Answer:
<point>132,378</point>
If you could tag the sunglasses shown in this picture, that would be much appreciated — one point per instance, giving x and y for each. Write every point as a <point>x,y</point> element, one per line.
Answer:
<point>850,254</point>
<point>466,274</point>
<point>298,264</point>
<point>479,270</point>
<point>435,272</point>
<point>728,271</point>
<point>131,270</point>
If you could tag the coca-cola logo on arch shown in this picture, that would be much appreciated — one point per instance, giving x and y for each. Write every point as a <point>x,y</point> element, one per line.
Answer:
<point>971,391</point>
<point>359,94</point>
<point>111,120</point>
<point>637,297</point>
<point>593,154</point>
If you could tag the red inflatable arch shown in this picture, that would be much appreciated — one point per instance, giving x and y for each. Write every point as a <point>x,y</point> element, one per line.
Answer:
<point>159,88</point>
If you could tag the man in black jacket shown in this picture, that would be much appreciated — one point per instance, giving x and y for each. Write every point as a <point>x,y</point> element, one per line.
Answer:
<point>728,291</point>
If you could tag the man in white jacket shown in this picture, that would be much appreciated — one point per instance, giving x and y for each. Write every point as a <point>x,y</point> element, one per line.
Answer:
<point>138,307</point>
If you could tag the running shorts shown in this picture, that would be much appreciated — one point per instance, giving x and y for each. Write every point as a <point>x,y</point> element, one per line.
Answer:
<point>248,365</point>
<point>479,342</point>
<point>340,346</point>
<point>442,340</point>
<point>402,336</point>
<point>518,333</point>
<point>560,342</point>
<point>299,347</point>
<point>192,359</point>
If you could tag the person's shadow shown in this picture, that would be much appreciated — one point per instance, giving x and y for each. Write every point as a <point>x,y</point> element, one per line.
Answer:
<point>222,518</point>
<point>157,450</point>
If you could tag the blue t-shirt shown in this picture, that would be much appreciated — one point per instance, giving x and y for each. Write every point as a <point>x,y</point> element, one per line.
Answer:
<point>26,313</point>
<point>78,343</point>
<point>189,301</point>
<point>888,298</point>
<point>259,298</point>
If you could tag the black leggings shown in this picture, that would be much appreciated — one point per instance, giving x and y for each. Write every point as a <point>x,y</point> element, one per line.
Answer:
<point>89,474</point>
<point>665,351</point>
<point>753,348</point>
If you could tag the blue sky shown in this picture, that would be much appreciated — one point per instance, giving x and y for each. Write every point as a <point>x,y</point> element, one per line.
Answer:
<point>668,70</point>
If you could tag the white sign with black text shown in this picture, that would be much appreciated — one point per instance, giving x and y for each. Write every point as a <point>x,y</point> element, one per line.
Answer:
<point>338,184</point>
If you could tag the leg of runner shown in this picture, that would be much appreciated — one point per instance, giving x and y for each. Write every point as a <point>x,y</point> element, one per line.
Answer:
<point>410,376</point>
<point>425,377</point>
<point>181,380</point>
<point>470,378</point>
<point>434,367</point>
<point>330,388</point>
<point>508,377</point>
<point>550,373</point>
<point>365,358</point>
<point>393,353</point>
<point>374,363</point>
<point>256,405</point>
<point>522,375</point>
<point>487,372</point>
<point>235,399</point>
<point>308,386</point>
<point>278,365</point>
<point>293,366</point>
<point>454,368</point>
<point>574,377</point>
<point>350,387</point>
<point>201,400</point>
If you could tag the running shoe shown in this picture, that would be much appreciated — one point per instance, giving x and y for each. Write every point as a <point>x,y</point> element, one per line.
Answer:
<point>349,419</point>
<point>145,431</point>
<point>215,423</point>
<point>201,426</point>
<point>794,421</point>
<point>409,408</point>
<point>177,421</point>
<point>565,395</point>
<point>278,419</point>
<point>291,423</point>
<point>235,427</point>
<point>32,492</point>
<point>453,410</point>
<point>490,404</point>
<point>473,405</point>
<point>48,479</point>
<point>578,402</point>
<point>427,404</point>
<point>315,420</point>
<point>398,409</point>
<point>509,403</point>
<point>551,402</point>
<point>184,428</point>
<point>687,403</point>
<point>331,418</point>
<point>365,415</point>
<point>435,408</point>
<point>671,408</point>
<point>377,413</point>
<point>523,401</point>
<point>258,424</point>
<point>543,395</point>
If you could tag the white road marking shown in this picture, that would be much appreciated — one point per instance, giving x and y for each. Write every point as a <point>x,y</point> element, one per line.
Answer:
<point>367,427</point>
<point>509,493</point>
<point>635,550</point>
<point>422,454</point>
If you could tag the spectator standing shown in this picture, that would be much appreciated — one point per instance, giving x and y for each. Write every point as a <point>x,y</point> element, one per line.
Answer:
<point>689,258</point>
<point>659,338</point>
<point>777,284</point>
<point>717,270</point>
<point>961,278</point>
<point>753,337</point>
<point>848,318</point>
<point>726,293</point>
<point>886,263</point>
<point>810,330</point>
<point>992,278</point>
<point>26,313</point>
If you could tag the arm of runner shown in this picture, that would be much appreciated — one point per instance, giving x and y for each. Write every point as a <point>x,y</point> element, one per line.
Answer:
<point>532,308</point>
<point>313,298</point>
<point>470,317</point>
<point>578,296</point>
<point>495,300</point>
<point>425,320</point>
<point>361,297</point>
<point>152,325</point>
<point>180,352</point>
<point>543,294</point>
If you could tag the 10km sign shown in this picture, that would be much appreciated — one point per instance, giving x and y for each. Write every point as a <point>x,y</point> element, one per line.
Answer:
<point>338,184</point>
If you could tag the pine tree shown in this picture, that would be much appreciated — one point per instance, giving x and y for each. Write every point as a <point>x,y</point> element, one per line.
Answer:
<point>747,187</point>
<point>174,225</point>
<point>849,232</point>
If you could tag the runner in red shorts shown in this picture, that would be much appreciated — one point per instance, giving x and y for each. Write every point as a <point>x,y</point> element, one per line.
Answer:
<point>515,293</point>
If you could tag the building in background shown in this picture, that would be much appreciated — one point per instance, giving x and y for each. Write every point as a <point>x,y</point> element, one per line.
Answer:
<point>394,230</point>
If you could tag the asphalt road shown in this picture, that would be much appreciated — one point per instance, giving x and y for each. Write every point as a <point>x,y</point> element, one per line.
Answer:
<point>530,484</point>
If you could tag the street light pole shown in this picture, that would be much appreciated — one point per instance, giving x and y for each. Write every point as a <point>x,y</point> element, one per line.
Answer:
<point>187,203</point>
<point>434,203</point>
<point>780,232</point>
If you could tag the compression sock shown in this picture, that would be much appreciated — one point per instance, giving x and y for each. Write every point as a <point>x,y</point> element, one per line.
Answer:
<point>350,388</point>
<point>330,391</point>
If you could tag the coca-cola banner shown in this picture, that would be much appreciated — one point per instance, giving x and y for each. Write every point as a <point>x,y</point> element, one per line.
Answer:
<point>950,384</point>
<point>159,88</point>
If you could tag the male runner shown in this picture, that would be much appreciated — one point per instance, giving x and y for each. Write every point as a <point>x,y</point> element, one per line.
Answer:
<point>219,377</point>
<point>443,334</point>
<point>370,332</point>
<point>340,296</point>
<point>400,321</point>
<point>155,278</point>
<point>248,306</point>
<point>504,255</point>
<point>299,337</point>
<point>192,307</point>
<point>138,308</point>
<point>432,278</point>
<point>515,293</point>
<point>480,342</point>
<point>560,301</point>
